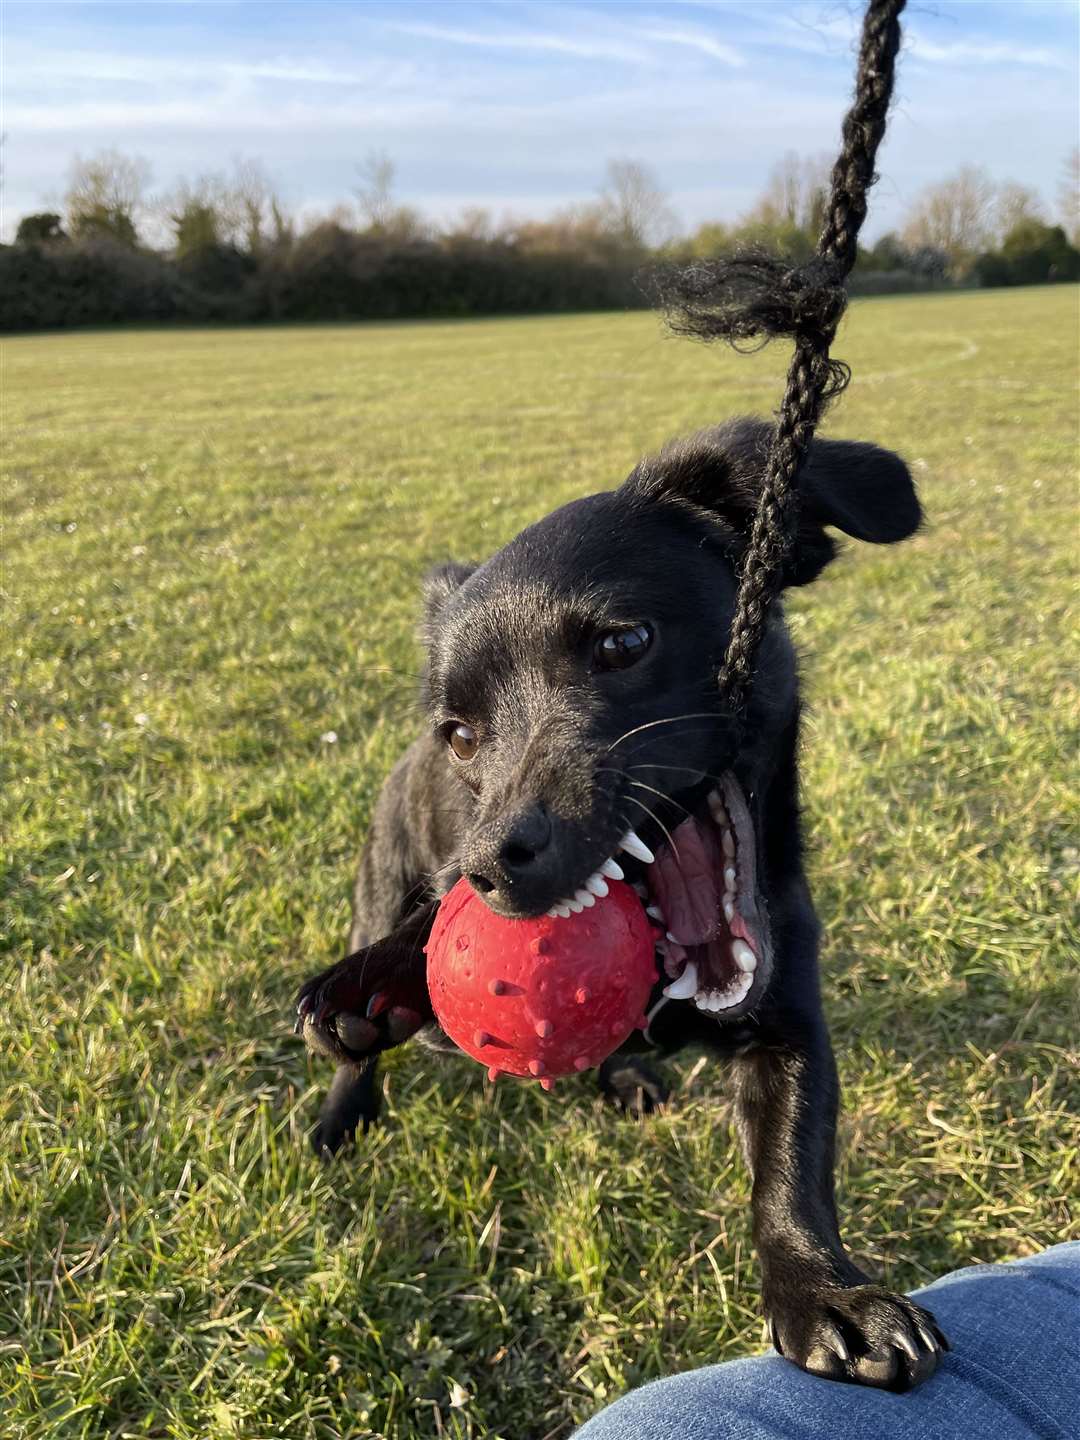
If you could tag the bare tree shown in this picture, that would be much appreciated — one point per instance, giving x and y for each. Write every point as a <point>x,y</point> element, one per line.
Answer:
<point>375,193</point>
<point>474,223</point>
<point>633,205</point>
<point>255,205</point>
<point>1069,195</point>
<point>795,195</point>
<point>1014,204</point>
<point>107,195</point>
<point>955,215</point>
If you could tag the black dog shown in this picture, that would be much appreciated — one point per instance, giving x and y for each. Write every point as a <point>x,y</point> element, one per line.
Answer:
<point>577,734</point>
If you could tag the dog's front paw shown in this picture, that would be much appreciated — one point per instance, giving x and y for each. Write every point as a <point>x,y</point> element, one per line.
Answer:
<point>354,1010</point>
<point>632,1085</point>
<point>862,1334</point>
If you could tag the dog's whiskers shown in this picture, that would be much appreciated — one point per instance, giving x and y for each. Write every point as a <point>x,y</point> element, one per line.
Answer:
<point>670,720</point>
<point>640,785</point>
<point>653,815</point>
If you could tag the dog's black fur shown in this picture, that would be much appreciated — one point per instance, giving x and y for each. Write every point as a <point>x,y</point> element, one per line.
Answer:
<point>550,792</point>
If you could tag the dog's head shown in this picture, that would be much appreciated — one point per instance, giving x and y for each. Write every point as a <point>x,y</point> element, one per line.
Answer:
<point>574,679</point>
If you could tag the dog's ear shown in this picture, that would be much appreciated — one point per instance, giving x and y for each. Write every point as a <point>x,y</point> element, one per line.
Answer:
<point>439,585</point>
<point>864,491</point>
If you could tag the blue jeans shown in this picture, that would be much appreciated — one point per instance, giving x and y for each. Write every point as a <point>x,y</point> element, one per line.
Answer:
<point>1013,1374</point>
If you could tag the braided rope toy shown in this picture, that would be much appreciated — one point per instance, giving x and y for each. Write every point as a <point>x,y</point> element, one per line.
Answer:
<point>535,999</point>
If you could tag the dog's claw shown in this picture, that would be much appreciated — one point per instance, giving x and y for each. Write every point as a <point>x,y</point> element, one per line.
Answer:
<point>379,1002</point>
<point>861,1334</point>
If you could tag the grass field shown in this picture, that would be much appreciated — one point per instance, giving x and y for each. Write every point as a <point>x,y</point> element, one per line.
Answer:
<point>213,548</point>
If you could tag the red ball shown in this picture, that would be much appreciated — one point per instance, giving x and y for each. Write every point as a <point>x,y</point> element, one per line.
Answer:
<point>541,997</point>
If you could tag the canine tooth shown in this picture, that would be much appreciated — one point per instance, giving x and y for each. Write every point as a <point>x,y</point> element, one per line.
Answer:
<point>585,898</point>
<point>716,806</point>
<point>729,878</point>
<point>729,909</point>
<point>685,985</point>
<point>744,957</point>
<point>612,870</point>
<point>597,884</point>
<point>633,844</point>
<point>654,913</point>
<point>727,841</point>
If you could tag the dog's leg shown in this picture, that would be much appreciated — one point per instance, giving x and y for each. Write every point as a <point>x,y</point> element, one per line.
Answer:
<point>370,1001</point>
<point>352,1103</point>
<point>823,1312</point>
<point>631,1084</point>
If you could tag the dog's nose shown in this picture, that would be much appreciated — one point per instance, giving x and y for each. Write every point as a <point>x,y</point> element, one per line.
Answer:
<point>527,838</point>
<point>512,850</point>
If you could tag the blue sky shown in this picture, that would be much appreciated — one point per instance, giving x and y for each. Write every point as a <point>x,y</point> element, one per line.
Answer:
<point>517,106</point>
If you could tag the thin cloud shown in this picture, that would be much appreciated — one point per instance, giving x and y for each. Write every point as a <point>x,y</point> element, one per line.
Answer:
<point>525,41</point>
<point>696,40</point>
<point>982,52</point>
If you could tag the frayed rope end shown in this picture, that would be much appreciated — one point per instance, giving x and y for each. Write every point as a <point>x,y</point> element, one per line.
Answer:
<point>753,296</point>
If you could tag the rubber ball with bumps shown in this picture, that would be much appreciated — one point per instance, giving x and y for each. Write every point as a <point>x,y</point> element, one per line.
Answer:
<point>542,997</point>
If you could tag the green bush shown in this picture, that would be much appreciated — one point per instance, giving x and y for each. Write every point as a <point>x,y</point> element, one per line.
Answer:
<point>1031,254</point>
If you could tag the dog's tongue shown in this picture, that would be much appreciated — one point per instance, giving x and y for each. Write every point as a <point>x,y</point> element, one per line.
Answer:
<point>685,882</point>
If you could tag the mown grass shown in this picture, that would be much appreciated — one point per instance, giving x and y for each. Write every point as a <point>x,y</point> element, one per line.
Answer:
<point>212,557</point>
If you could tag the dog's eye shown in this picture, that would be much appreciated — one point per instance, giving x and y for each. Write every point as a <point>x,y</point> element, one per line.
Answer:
<point>463,741</point>
<point>619,649</point>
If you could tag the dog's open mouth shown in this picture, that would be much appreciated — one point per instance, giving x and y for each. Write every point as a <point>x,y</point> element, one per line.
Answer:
<point>700,886</point>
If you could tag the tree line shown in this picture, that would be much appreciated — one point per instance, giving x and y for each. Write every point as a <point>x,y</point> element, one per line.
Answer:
<point>225,247</point>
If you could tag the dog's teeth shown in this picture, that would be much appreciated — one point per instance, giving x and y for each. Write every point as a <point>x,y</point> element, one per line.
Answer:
<point>632,843</point>
<point>701,1000</point>
<point>729,909</point>
<point>685,985</point>
<point>586,898</point>
<point>727,840</point>
<point>673,938</point>
<point>729,879</point>
<point>716,1002</point>
<point>612,870</point>
<point>744,957</point>
<point>597,884</point>
<point>716,806</point>
<point>562,910</point>
<point>654,913</point>
<point>576,906</point>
